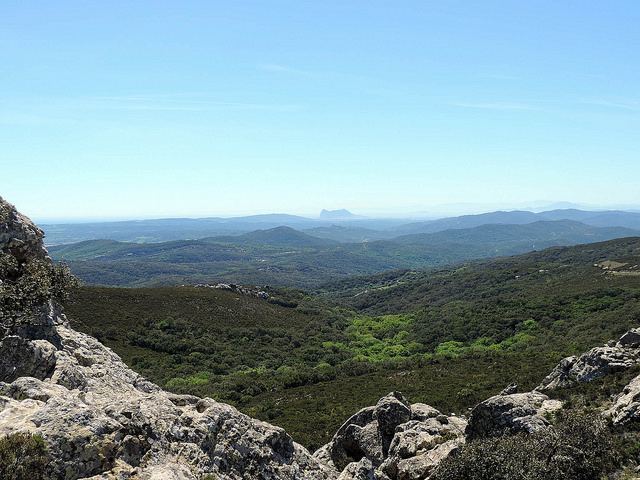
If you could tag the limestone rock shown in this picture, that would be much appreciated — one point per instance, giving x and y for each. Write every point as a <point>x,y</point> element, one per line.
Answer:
<point>19,235</point>
<point>362,470</point>
<point>597,362</point>
<point>393,440</point>
<point>631,339</point>
<point>421,466</point>
<point>24,358</point>
<point>422,411</point>
<point>391,411</point>
<point>518,412</point>
<point>510,389</point>
<point>626,406</point>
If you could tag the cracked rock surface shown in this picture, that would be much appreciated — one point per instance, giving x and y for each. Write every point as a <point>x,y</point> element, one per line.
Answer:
<point>392,441</point>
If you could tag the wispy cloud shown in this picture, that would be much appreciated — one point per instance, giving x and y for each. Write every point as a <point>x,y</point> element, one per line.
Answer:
<point>145,103</point>
<point>624,104</point>
<point>497,106</point>
<point>276,68</point>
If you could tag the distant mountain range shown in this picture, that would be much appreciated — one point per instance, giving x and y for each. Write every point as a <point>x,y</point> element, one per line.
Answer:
<point>339,225</point>
<point>306,258</point>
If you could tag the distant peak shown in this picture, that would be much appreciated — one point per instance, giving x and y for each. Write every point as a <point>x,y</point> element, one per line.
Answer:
<point>337,215</point>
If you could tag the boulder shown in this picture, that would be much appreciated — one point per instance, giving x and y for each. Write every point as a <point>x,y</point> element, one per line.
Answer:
<point>597,362</point>
<point>24,358</point>
<point>630,339</point>
<point>361,470</point>
<point>19,235</point>
<point>625,407</point>
<point>392,440</point>
<point>391,411</point>
<point>518,412</point>
<point>421,466</point>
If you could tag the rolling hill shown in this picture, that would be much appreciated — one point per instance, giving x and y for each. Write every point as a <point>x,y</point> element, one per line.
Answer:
<point>163,230</point>
<point>288,257</point>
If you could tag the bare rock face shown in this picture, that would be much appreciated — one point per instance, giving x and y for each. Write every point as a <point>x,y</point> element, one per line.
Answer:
<point>597,362</point>
<point>392,440</point>
<point>625,408</point>
<point>19,235</point>
<point>511,413</point>
<point>101,420</point>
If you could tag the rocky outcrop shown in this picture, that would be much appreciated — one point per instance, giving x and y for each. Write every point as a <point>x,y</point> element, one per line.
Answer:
<point>597,362</point>
<point>510,413</point>
<point>392,440</point>
<point>239,289</point>
<point>101,420</point>
<point>625,407</point>
<point>19,235</point>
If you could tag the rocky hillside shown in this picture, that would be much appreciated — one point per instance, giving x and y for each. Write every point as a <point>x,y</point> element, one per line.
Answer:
<point>101,420</point>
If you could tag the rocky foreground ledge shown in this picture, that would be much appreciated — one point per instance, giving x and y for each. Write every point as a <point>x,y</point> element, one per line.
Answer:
<point>101,420</point>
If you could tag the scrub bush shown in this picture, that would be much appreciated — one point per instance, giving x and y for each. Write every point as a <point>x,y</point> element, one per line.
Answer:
<point>579,447</point>
<point>23,456</point>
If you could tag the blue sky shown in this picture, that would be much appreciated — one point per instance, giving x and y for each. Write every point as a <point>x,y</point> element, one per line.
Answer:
<point>120,109</point>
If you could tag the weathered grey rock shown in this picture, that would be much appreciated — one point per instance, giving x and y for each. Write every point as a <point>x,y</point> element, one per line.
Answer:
<point>101,420</point>
<point>597,362</point>
<point>625,407</point>
<point>518,412</point>
<point>421,466</point>
<point>19,235</point>
<point>630,339</point>
<point>510,389</point>
<point>25,358</point>
<point>362,470</point>
<point>422,411</point>
<point>393,440</point>
<point>391,411</point>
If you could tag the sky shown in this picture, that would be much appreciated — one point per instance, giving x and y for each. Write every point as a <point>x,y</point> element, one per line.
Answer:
<point>150,109</point>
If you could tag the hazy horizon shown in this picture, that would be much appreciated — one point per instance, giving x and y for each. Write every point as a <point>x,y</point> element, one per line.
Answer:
<point>196,109</point>
<point>419,213</point>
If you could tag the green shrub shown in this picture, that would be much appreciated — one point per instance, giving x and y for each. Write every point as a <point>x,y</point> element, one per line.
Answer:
<point>579,447</point>
<point>27,287</point>
<point>23,457</point>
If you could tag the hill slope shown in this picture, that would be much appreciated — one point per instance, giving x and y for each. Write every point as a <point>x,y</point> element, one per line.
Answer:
<point>471,329</point>
<point>284,256</point>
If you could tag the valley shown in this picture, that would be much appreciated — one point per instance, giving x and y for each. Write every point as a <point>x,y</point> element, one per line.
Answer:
<point>448,337</point>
